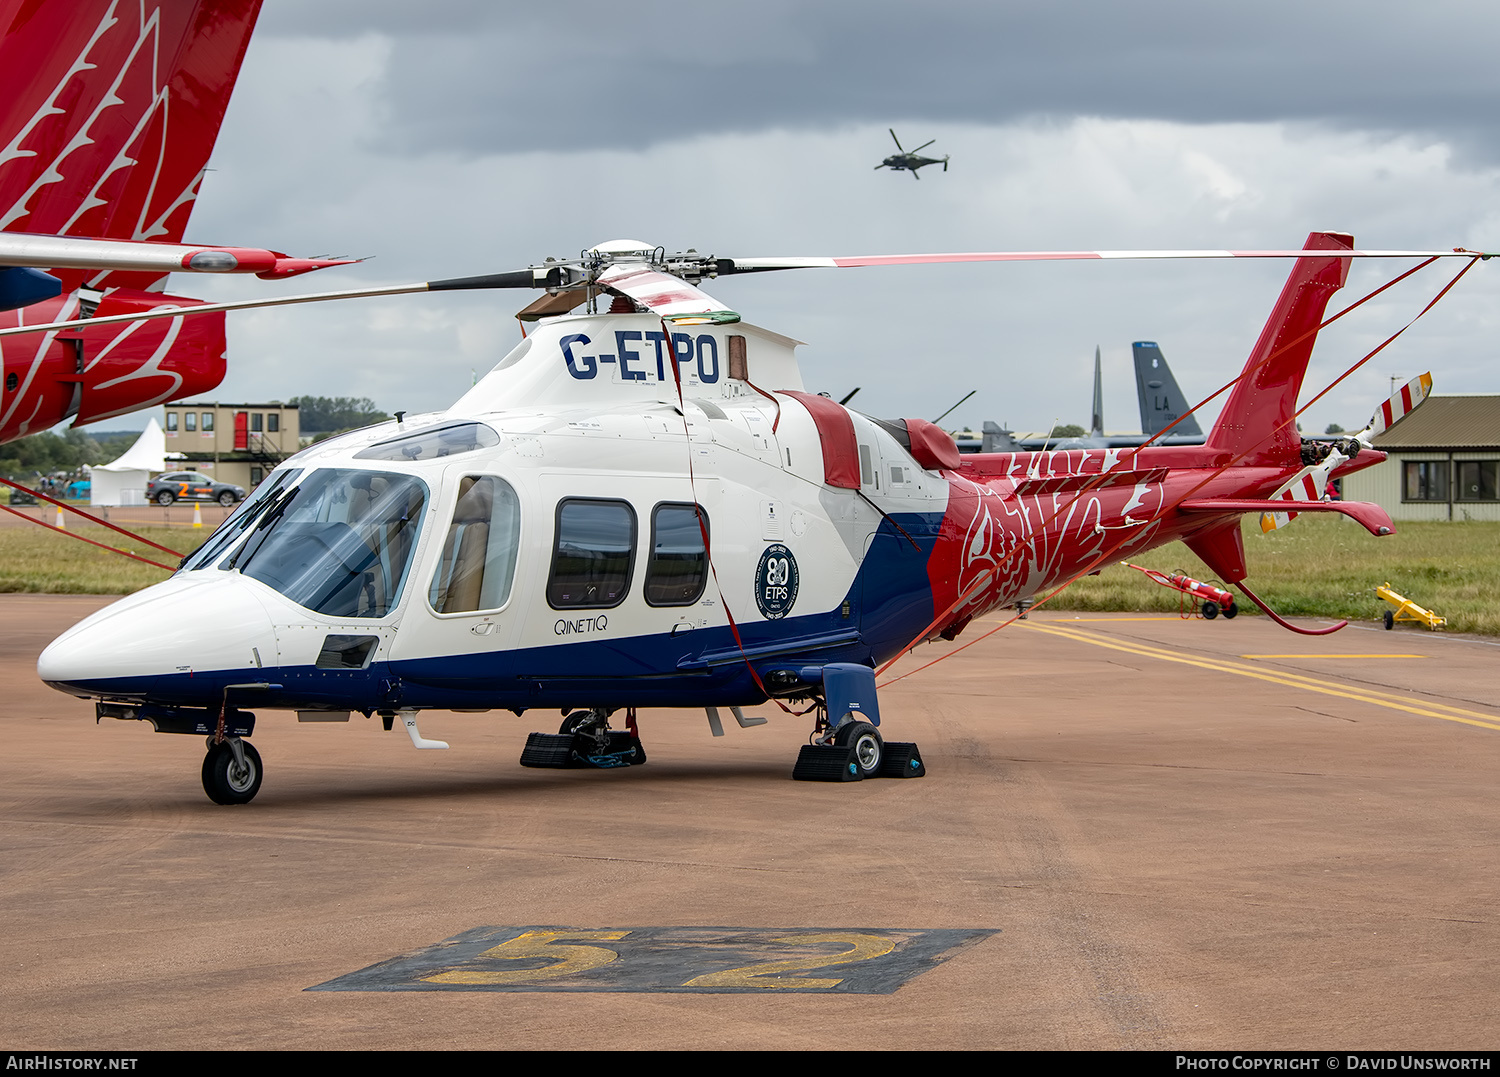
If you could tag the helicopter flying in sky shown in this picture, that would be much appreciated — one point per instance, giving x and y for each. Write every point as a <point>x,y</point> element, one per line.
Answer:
<point>911,160</point>
<point>642,506</point>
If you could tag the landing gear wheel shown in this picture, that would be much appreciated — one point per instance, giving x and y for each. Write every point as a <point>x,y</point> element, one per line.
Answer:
<point>166,497</point>
<point>1231,611</point>
<point>226,498</point>
<point>869,749</point>
<point>1210,610</point>
<point>1390,620</point>
<point>225,781</point>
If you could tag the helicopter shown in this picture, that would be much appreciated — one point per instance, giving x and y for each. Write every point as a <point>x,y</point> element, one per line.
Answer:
<point>911,160</point>
<point>643,506</point>
<point>108,114</point>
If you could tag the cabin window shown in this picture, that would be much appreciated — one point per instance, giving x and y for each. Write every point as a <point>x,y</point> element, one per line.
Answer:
<point>1477,480</point>
<point>479,556</point>
<point>678,568</point>
<point>242,517</point>
<point>866,468</point>
<point>593,556</point>
<point>1425,480</point>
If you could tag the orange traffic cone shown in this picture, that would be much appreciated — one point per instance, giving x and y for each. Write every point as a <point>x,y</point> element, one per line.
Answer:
<point>197,515</point>
<point>60,525</point>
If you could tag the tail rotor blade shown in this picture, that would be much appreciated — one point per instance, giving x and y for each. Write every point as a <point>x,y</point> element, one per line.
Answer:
<point>1401,404</point>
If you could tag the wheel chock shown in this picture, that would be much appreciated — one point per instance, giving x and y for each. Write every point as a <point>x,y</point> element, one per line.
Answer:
<point>826,763</point>
<point>902,760</point>
<point>548,750</point>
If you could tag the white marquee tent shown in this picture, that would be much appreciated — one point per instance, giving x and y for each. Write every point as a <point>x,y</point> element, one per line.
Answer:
<point>123,481</point>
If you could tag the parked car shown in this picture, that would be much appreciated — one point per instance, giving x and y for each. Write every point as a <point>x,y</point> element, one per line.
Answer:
<point>192,486</point>
<point>22,497</point>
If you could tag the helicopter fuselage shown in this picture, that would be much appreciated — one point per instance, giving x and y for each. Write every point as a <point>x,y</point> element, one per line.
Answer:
<point>348,582</point>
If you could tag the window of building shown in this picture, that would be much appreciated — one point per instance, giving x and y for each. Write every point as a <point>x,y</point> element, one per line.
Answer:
<point>273,422</point>
<point>678,567</point>
<point>1425,480</point>
<point>190,421</point>
<point>1477,480</point>
<point>594,554</point>
<point>479,556</point>
<point>171,422</point>
<point>256,421</point>
<point>208,422</point>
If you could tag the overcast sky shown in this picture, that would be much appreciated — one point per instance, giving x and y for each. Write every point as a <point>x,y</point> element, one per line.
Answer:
<point>455,137</point>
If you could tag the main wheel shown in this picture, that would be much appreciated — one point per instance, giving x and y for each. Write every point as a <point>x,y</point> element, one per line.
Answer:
<point>869,749</point>
<point>226,783</point>
<point>1390,620</point>
<point>1231,611</point>
<point>166,497</point>
<point>1210,610</point>
<point>226,498</point>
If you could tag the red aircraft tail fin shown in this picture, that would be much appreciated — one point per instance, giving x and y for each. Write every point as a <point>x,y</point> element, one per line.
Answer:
<point>1256,424</point>
<point>108,112</point>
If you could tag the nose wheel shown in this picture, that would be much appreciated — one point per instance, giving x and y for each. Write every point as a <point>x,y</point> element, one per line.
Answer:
<point>231,771</point>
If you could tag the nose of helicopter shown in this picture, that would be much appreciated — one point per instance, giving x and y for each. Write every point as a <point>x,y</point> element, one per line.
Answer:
<point>190,624</point>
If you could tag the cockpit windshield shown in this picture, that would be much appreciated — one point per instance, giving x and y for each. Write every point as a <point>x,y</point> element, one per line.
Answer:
<point>340,543</point>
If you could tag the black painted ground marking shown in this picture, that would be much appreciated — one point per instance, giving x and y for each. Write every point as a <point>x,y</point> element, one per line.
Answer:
<point>717,960</point>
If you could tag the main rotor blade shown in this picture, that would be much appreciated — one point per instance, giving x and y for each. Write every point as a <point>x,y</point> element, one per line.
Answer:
<point>74,252</point>
<point>924,145</point>
<point>524,278</point>
<point>753,265</point>
<point>211,308</point>
<point>894,139</point>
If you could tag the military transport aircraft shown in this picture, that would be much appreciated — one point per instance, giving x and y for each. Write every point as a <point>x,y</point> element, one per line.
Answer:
<point>911,160</point>
<point>108,112</point>
<point>642,506</point>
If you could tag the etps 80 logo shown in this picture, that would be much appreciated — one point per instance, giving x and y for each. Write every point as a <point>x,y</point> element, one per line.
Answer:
<point>776,582</point>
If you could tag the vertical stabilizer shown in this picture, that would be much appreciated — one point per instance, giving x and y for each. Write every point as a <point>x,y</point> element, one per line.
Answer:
<point>1097,429</point>
<point>1162,402</point>
<point>108,112</point>
<point>1256,424</point>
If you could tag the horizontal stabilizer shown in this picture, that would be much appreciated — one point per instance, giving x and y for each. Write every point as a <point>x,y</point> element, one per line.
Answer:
<point>1373,518</point>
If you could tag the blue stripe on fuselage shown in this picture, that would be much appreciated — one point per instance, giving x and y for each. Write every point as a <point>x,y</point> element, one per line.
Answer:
<point>889,602</point>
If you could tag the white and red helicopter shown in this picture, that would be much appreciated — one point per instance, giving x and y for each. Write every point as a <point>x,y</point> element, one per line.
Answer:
<point>644,507</point>
<point>108,112</point>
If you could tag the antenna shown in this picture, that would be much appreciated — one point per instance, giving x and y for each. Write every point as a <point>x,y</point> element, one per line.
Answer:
<point>966,396</point>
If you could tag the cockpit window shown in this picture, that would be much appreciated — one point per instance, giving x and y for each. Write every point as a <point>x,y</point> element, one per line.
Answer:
<point>479,557</point>
<point>242,517</point>
<point>340,543</point>
<point>432,442</point>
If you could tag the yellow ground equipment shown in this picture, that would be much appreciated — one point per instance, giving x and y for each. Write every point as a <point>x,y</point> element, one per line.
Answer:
<point>1404,609</point>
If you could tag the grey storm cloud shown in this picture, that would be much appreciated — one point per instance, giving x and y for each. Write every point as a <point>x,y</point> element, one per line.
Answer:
<point>476,77</point>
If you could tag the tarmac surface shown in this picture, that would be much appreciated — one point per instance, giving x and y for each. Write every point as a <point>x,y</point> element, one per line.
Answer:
<point>1153,833</point>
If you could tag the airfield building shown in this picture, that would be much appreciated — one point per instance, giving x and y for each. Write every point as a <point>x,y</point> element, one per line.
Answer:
<point>238,443</point>
<point>1443,463</point>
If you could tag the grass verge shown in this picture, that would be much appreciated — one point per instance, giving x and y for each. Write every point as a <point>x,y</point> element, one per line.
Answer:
<point>1327,566</point>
